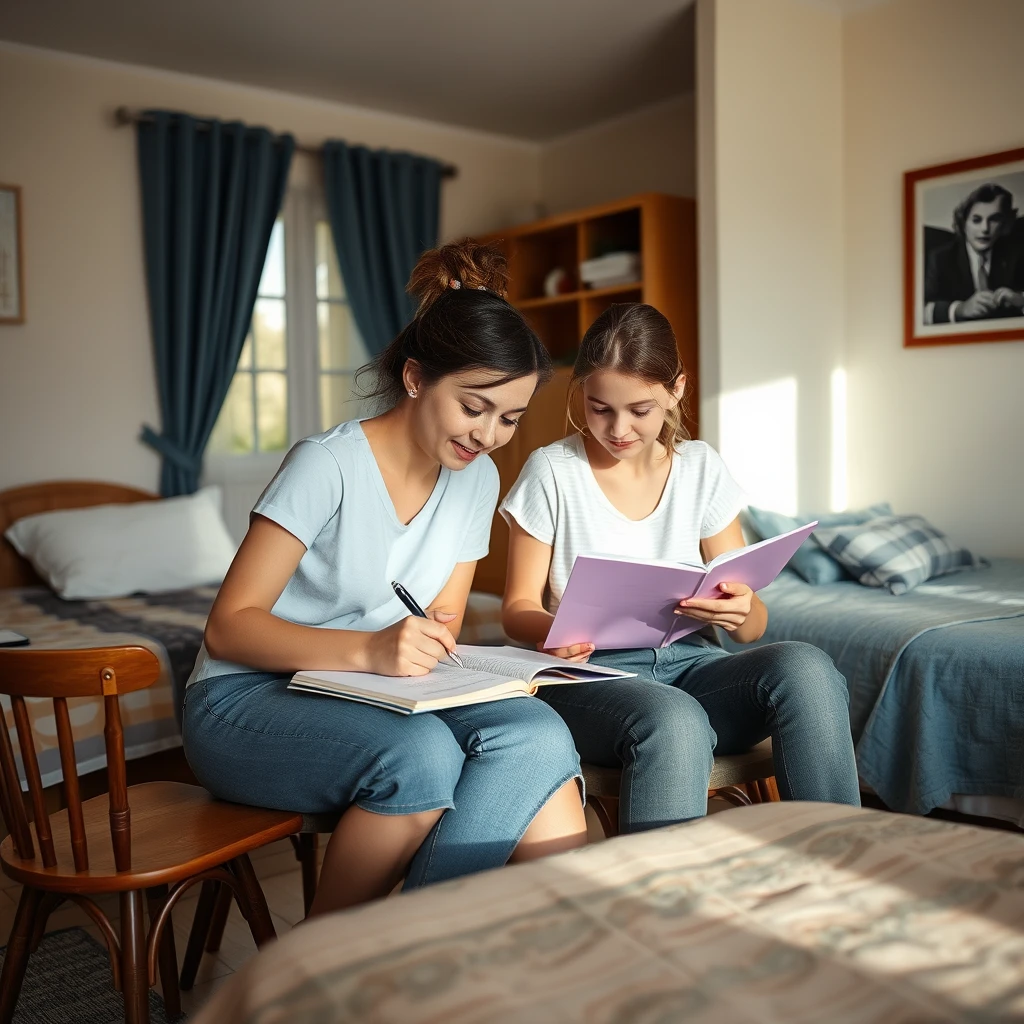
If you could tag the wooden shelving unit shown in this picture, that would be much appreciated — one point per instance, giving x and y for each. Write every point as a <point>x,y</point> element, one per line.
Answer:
<point>662,229</point>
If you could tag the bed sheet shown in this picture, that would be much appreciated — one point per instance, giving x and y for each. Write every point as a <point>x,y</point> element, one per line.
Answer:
<point>780,912</point>
<point>936,678</point>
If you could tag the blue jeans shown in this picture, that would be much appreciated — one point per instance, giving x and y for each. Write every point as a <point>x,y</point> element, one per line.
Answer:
<point>693,699</point>
<point>491,766</point>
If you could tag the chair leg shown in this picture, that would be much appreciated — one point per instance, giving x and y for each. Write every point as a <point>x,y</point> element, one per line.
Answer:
<point>606,811</point>
<point>734,795</point>
<point>134,972</point>
<point>197,936</point>
<point>16,959</point>
<point>772,785</point>
<point>47,905</point>
<point>221,910</point>
<point>255,910</point>
<point>157,897</point>
<point>752,791</point>
<point>306,844</point>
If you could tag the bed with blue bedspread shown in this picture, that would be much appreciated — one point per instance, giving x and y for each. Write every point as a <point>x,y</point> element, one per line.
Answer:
<point>936,678</point>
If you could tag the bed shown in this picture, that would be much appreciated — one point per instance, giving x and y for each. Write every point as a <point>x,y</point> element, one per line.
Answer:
<point>936,681</point>
<point>777,912</point>
<point>170,625</point>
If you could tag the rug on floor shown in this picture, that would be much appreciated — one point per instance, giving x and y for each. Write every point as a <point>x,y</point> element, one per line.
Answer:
<point>68,979</point>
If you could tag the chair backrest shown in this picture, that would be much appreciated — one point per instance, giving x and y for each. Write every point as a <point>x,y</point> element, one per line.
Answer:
<point>89,672</point>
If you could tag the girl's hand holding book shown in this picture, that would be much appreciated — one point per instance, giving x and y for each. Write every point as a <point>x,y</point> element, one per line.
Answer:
<point>412,646</point>
<point>579,653</point>
<point>730,611</point>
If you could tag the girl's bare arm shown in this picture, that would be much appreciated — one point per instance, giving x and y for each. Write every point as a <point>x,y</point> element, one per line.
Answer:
<point>522,610</point>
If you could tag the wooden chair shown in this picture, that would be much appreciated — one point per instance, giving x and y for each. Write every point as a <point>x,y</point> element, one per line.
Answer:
<point>172,835</point>
<point>739,779</point>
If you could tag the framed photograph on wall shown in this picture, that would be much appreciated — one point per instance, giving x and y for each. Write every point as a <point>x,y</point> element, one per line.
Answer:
<point>12,283</point>
<point>963,237</point>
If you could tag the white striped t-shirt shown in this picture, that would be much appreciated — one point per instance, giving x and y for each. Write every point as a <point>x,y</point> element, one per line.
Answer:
<point>557,500</point>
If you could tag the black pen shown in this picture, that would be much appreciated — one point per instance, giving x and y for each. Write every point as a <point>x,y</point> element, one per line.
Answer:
<point>410,602</point>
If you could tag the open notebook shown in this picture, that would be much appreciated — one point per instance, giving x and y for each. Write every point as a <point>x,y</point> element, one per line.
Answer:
<point>491,673</point>
<point>618,602</point>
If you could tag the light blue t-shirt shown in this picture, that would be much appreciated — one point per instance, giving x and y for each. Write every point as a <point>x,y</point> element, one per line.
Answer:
<point>329,493</point>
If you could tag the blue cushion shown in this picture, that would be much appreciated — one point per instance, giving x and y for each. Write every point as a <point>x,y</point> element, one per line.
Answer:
<point>810,561</point>
<point>896,552</point>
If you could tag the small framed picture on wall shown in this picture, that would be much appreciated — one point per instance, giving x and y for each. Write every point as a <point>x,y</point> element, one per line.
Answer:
<point>12,282</point>
<point>963,237</point>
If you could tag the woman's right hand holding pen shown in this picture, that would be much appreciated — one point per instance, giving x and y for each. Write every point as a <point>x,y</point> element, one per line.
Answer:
<point>412,646</point>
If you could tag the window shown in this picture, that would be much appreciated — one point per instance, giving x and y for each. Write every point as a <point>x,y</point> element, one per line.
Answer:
<point>254,417</point>
<point>295,376</point>
<point>340,349</point>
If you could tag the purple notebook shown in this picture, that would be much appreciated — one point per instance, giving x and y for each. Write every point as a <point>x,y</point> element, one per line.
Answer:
<point>617,602</point>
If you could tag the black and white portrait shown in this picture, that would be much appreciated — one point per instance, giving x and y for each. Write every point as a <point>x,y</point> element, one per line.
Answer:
<point>967,234</point>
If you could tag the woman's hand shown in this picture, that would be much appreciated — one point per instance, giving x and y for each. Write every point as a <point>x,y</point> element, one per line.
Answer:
<point>730,611</point>
<point>579,653</point>
<point>412,646</point>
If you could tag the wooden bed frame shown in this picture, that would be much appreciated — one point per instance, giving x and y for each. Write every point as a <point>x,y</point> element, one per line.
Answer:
<point>51,496</point>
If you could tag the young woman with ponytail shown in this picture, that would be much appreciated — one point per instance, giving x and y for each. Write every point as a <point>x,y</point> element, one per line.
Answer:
<point>406,495</point>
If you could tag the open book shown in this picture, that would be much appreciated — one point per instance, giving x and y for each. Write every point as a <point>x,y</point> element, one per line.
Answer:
<point>491,673</point>
<point>618,602</point>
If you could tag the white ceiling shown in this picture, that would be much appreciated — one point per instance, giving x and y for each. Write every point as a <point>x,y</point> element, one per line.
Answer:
<point>534,69</point>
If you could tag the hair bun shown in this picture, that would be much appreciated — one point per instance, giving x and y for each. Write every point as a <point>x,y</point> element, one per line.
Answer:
<point>458,265</point>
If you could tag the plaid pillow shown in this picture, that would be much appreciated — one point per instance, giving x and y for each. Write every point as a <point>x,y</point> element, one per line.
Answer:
<point>897,552</point>
<point>810,561</point>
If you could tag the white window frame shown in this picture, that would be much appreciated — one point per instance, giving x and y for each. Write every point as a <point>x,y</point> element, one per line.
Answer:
<point>242,476</point>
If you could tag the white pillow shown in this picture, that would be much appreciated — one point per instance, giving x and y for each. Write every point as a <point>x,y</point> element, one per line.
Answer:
<point>114,550</point>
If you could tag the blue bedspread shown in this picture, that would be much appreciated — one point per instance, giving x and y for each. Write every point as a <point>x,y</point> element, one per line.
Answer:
<point>936,678</point>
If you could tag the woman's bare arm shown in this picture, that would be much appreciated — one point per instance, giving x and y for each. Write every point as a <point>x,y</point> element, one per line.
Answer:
<point>453,598</point>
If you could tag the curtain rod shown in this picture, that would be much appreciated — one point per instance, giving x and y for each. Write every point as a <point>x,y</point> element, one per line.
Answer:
<point>125,116</point>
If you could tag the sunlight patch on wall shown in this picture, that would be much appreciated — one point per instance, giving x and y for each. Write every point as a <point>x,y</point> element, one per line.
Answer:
<point>839,497</point>
<point>758,441</point>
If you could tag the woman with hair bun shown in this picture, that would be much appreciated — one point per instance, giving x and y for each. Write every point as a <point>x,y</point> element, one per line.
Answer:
<point>405,495</point>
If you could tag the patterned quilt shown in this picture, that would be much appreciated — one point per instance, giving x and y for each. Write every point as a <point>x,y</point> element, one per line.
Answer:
<point>170,625</point>
<point>778,912</point>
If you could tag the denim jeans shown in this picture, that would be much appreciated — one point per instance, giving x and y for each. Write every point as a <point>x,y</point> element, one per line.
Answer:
<point>491,766</point>
<point>691,700</point>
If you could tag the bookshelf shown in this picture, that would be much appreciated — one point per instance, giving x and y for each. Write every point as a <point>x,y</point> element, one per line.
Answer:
<point>662,228</point>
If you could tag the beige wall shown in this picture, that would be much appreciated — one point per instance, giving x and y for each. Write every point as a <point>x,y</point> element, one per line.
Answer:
<point>76,381</point>
<point>940,430</point>
<point>649,150</point>
<point>771,242</point>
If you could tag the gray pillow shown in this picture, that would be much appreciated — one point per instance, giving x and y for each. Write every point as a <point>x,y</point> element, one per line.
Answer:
<point>810,562</point>
<point>896,552</point>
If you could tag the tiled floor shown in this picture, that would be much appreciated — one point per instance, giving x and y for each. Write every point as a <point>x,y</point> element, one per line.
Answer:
<point>278,872</point>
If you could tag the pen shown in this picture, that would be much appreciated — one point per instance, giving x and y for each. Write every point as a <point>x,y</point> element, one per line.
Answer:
<point>410,602</point>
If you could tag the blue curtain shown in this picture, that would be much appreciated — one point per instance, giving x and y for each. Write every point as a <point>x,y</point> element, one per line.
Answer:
<point>210,194</point>
<point>384,211</point>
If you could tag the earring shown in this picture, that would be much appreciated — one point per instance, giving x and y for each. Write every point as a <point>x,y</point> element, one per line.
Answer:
<point>412,394</point>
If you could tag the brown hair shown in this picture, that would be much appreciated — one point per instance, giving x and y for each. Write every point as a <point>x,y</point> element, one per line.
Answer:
<point>463,322</point>
<point>635,339</point>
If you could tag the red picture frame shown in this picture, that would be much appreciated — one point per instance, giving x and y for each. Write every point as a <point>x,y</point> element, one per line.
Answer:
<point>927,193</point>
